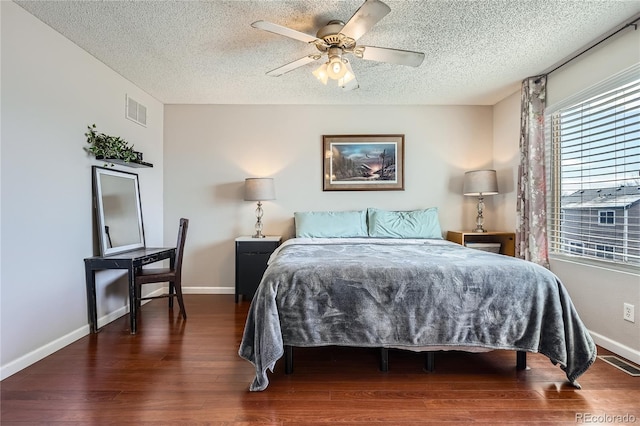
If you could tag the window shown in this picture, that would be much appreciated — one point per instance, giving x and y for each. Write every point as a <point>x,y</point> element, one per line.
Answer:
<point>606,217</point>
<point>575,248</point>
<point>604,251</point>
<point>594,172</point>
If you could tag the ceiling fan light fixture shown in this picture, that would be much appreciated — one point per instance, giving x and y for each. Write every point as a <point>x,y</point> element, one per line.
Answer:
<point>321,73</point>
<point>348,82</point>
<point>336,68</point>
<point>346,79</point>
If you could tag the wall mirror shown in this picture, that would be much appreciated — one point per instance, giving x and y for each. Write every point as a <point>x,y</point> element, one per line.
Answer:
<point>118,210</point>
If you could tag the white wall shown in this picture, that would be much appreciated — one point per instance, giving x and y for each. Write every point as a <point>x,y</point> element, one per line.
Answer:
<point>598,294</point>
<point>614,55</point>
<point>210,150</point>
<point>506,159</point>
<point>51,91</point>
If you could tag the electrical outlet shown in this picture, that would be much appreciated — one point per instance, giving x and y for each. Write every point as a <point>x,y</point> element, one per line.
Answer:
<point>629,313</point>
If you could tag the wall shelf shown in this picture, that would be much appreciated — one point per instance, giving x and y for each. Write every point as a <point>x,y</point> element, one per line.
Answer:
<point>135,164</point>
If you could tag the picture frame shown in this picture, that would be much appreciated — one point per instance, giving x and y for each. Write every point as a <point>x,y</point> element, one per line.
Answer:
<point>363,162</point>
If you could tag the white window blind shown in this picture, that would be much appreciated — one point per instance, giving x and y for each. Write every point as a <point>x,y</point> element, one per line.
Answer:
<point>594,172</point>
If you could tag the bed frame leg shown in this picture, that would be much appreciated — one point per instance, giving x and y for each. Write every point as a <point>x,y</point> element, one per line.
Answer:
<point>521,360</point>
<point>430,362</point>
<point>288,359</point>
<point>384,359</point>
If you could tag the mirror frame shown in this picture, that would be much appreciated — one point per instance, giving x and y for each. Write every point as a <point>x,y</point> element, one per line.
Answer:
<point>103,237</point>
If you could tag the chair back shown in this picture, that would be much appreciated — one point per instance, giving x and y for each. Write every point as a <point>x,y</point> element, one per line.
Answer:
<point>182,236</point>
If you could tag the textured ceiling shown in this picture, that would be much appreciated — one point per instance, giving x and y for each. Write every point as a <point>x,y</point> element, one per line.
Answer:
<point>206,52</point>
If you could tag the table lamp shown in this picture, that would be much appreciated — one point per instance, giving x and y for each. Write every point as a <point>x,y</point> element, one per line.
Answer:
<point>259,189</point>
<point>480,183</point>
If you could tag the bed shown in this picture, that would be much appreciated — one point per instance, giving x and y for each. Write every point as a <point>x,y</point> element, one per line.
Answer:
<point>372,289</point>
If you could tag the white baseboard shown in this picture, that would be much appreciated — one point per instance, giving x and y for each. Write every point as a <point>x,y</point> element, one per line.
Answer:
<point>42,352</point>
<point>208,290</point>
<point>617,348</point>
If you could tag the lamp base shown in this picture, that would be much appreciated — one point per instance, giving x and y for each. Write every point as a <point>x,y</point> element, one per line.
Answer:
<point>259,213</point>
<point>480,217</point>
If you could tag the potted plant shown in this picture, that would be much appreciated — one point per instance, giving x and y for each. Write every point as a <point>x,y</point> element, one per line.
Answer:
<point>105,147</point>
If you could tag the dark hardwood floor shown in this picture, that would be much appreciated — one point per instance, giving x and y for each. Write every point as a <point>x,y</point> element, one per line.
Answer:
<point>189,372</point>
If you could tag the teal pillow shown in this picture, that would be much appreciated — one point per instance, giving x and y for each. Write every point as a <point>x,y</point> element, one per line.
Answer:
<point>331,224</point>
<point>409,224</point>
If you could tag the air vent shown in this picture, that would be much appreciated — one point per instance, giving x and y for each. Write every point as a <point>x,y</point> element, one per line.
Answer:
<point>135,111</point>
<point>621,364</point>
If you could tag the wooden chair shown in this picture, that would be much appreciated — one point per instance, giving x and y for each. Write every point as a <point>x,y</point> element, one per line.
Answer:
<point>172,275</point>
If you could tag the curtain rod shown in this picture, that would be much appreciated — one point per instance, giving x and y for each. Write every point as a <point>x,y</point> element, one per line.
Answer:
<point>633,23</point>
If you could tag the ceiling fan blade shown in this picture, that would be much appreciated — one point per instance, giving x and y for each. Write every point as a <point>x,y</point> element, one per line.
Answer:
<point>366,17</point>
<point>392,56</point>
<point>287,32</point>
<point>292,65</point>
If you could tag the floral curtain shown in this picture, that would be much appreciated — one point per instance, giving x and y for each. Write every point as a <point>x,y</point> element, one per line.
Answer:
<point>531,227</point>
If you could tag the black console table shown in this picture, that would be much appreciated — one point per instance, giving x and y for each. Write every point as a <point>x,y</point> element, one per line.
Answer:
<point>131,261</point>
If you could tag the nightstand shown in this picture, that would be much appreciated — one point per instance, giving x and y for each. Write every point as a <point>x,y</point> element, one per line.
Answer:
<point>252,255</point>
<point>507,240</point>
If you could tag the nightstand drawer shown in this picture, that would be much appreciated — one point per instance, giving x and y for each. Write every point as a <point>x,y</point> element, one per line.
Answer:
<point>252,255</point>
<point>256,247</point>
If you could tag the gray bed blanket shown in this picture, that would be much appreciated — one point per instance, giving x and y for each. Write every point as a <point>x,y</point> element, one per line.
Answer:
<point>412,294</point>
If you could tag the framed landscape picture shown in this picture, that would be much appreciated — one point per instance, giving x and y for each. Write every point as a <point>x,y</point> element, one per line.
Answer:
<point>363,162</point>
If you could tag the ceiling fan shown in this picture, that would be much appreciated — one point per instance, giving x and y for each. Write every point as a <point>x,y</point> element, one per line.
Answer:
<point>337,39</point>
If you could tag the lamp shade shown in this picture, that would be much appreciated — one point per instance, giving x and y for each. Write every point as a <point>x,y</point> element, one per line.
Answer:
<point>480,182</point>
<point>259,189</point>
<point>321,73</point>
